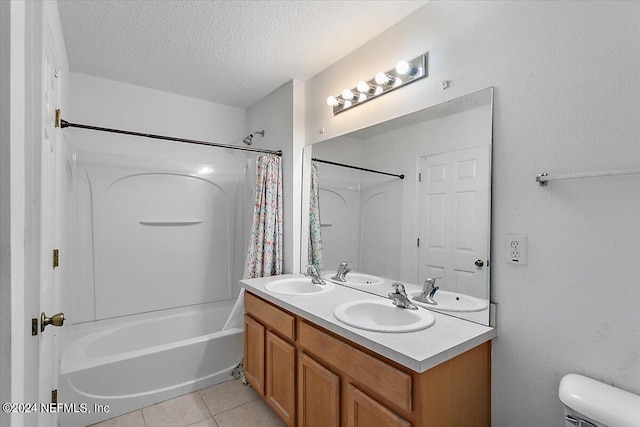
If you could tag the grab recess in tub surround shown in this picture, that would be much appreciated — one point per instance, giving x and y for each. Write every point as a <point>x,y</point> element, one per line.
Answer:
<point>170,223</point>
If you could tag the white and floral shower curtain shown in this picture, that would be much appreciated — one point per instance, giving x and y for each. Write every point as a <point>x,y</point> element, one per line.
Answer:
<point>315,237</point>
<point>264,256</point>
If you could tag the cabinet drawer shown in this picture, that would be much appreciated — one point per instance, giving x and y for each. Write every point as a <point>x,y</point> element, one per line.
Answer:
<point>390,383</point>
<point>273,317</point>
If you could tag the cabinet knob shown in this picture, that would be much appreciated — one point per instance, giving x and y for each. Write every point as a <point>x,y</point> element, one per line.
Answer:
<point>479,263</point>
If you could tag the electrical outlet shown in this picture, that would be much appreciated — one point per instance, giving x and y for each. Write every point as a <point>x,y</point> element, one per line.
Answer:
<point>516,248</point>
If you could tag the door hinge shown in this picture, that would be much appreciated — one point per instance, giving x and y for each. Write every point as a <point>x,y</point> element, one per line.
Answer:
<point>418,242</point>
<point>419,176</point>
<point>56,258</point>
<point>34,326</point>
<point>54,396</point>
<point>58,118</point>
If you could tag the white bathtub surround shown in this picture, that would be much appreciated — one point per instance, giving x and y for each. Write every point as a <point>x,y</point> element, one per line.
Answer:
<point>132,363</point>
<point>419,351</point>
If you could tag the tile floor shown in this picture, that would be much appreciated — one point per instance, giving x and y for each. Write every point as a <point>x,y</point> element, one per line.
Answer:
<point>229,404</point>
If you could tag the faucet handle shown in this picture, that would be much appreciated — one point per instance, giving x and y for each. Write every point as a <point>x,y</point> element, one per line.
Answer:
<point>398,288</point>
<point>312,270</point>
<point>431,281</point>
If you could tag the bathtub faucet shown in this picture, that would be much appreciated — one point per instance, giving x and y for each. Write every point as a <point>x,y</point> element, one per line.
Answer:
<point>314,273</point>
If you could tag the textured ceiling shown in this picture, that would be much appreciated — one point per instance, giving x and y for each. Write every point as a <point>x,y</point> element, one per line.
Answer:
<point>230,52</point>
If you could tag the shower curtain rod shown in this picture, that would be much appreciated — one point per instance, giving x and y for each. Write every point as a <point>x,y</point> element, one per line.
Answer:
<point>356,167</point>
<point>65,124</point>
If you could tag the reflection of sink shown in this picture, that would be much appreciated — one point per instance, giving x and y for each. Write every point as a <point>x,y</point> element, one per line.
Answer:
<point>357,279</point>
<point>380,315</point>
<point>297,286</point>
<point>451,301</point>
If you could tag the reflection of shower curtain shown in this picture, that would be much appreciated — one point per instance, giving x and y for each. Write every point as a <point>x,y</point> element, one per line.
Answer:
<point>315,237</point>
<point>264,257</point>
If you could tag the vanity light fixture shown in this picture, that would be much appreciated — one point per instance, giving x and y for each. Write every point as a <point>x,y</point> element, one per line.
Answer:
<point>404,73</point>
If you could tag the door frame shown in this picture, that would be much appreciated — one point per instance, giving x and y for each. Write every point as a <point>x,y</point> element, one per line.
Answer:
<point>27,24</point>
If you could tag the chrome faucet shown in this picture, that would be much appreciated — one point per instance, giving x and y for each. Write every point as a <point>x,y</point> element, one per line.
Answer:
<point>400,298</point>
<point>342,272</point>
<point>429,291</point>
<point>314,273</point>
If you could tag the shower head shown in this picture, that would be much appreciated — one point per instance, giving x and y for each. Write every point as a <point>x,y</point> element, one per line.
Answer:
<point>249,138</point>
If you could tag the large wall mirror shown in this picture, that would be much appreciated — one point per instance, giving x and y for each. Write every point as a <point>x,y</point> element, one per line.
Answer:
<point>406,200</point>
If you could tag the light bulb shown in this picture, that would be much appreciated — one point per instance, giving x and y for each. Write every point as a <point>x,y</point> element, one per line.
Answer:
<point>362,97</point>
<point>332,101</point>
<point>363,87</point>
<point>347,104</point>
<point>347,94</point>
<point>378,90</point>
<point>397,83</point>
<point>382,78</point>
<point>403,67</point>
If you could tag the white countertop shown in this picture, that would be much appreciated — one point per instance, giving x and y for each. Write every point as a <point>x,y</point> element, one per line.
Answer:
<point>419,351</point>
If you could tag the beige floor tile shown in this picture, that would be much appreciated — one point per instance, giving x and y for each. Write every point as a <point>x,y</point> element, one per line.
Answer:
<point>227,395</point>
<point>132,419</point>
<point>209,422</point>
<point>179,412</point>
<point>253,414</point>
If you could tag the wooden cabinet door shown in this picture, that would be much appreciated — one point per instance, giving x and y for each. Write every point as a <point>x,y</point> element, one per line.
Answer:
<point>366,412</point>
<point>280,378</point>
<point>254,354</point>
<point>318,394</point>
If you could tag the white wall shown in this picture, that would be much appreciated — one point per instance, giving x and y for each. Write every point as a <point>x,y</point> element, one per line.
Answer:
<point>281,116</point>
<point>566,100</point>
<point>108,103</point>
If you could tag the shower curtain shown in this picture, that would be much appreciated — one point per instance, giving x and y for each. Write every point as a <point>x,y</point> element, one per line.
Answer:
<point>264,257</point>
<point>315,237</point>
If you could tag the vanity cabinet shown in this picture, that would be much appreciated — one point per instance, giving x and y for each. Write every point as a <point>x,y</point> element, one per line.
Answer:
<point>318,394</point>
<point>312,377</point>
<point>270,355</point>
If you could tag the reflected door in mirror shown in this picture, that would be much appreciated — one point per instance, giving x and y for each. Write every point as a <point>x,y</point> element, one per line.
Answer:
<point>454,225</point>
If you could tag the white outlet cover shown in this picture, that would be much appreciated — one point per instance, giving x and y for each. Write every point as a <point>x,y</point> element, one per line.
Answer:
<point>516,248</point>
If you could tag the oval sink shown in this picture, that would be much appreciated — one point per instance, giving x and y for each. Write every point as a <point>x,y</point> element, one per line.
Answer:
<point>452,301</point>
<point>382,316</point>
<point>297,286</point>
<point>357,279</point>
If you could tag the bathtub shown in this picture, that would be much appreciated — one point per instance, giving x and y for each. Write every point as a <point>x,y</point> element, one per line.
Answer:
<point>129,363</point>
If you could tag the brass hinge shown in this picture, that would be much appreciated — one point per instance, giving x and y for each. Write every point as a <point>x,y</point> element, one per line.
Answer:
<point>56,258</point>
<point>418,242</point>
<point>34,326</point>
<point>58,118</point>
<point>54,396</point>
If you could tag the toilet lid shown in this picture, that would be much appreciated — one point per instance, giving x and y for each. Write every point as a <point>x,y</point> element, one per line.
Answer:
<point>600,402</point>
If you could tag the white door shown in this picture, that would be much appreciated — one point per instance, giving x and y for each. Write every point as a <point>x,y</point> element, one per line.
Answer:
<point>454,220</point>
<point>50,304</point>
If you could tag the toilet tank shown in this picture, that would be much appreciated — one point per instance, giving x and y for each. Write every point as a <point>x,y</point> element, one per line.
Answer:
<point>589,403</point>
